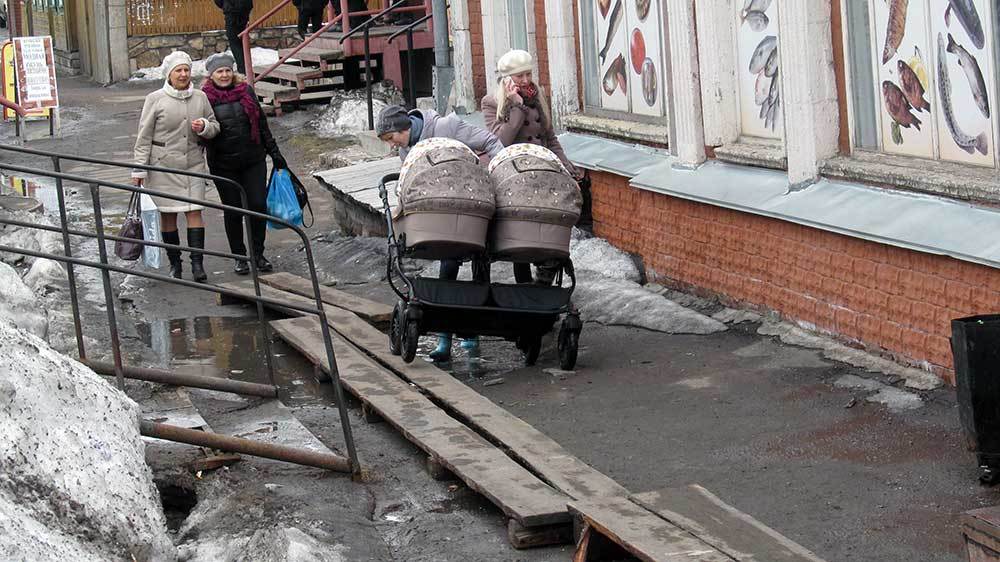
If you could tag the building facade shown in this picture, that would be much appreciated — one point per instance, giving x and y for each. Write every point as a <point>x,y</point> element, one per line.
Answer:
<point>832,162</point>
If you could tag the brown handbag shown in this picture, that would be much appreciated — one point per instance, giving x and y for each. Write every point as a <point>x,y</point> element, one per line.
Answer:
<point>132,229</point>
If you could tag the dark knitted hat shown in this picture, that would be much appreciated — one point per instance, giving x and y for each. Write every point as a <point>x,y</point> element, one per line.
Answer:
<point>392,119</point>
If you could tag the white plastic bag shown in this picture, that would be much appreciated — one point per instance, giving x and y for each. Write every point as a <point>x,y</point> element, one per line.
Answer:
<point>151,232</point>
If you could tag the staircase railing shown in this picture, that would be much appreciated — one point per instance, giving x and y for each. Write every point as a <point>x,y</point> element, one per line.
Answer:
<point>95,185</point>
<point>411,95</point>
<point>365,28</point>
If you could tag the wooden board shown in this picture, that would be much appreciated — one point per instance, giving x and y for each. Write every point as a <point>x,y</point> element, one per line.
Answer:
<point>277,92</point>
<point>739,535</point>
<point>314,54</point>
<point>540,453</point>
<point>645,535</point>
<point>359,177</point>
<point>483,467</point>
<point>374,312</point>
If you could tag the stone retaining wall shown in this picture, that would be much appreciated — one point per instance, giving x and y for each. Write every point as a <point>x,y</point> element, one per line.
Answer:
<point>149,51</point>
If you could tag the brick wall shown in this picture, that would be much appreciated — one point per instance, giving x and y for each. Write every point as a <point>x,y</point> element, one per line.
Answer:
<point>478,54</point>
<point>542,48</point>
<point>893,301</point>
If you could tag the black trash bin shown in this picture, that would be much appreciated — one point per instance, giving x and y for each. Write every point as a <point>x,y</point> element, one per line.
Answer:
<point>975,344</point>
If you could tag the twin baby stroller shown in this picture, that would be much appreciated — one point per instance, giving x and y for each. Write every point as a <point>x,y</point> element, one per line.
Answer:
<point>521,210</point>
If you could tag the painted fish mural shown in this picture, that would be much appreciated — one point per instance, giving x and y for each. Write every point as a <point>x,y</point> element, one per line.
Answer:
<point>898,107</point>
<point>965,11</point>
<point>603,6</point>
<point>896,28</point>
<point>975,75</point>
<point>911,86</point>
<point>754,6</point>
<point>614,78</point>
<point>758,20</point>
<point>616,21</point>
<point>964,141</point>
<point>642,9</point>
<point>762,53</point>
<point>649,82</point>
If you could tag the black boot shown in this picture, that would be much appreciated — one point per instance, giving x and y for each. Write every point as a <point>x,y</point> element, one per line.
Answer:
<point>196,239</point>
<point>172,254</point>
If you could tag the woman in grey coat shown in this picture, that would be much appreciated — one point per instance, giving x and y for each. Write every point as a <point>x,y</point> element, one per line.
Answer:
<point>174,119</point>
<point>404,130</point>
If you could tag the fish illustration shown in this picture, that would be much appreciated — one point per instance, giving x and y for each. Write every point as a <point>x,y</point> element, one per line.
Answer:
<point>897,106</point>
<point>641,9</point>
<point>911,86</point>
<point>771,67</point>
<point>762,53</point>
<point>965,11</point>
<point>603,5</point>
<point>916,63</point>
<point>762,89</point>
<point>975,75</point>
<point>614,78</point>
<point>649,82</point>
<point>754,6</point>
<point>896,28</point>
<point>613,25</point>
<point>965,142</point>
<point>758,20</point>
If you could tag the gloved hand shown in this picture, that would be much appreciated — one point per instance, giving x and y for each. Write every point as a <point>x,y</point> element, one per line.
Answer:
<point>279,163</point>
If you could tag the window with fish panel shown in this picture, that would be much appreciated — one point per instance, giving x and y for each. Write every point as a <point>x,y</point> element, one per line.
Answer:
<point>922,78</point>
<point>623,56</point>
<point>757,69</point>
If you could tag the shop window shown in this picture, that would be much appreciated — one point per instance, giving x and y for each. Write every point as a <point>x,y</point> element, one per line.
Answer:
<point>757,68</point>
<point>623,49</point>
<point>922,78</point>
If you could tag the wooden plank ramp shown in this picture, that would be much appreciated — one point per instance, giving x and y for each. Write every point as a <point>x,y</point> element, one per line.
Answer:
<point>374,312</point>
<point>478,463</point>
<point>544,456</point>
<point>728,529</point>
<point>643,534</point>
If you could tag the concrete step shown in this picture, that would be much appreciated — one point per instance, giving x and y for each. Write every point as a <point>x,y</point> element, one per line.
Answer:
<point>269,91</point>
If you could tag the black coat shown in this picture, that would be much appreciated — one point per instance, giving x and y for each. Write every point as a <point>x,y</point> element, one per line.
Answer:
<point>235,6</point>
<point>233,148</point>
<point>311,6</point>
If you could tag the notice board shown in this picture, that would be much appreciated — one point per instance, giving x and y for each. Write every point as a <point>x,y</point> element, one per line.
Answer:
<point>35,71</point>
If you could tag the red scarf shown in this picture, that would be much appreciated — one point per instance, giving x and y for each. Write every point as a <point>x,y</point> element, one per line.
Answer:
<point>528,92</point>
<point>241,93</point>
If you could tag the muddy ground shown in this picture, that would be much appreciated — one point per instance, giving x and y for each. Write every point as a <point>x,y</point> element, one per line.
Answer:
<point>775,430</point>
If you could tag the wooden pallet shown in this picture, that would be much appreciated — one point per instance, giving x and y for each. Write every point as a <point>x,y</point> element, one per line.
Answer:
<point>276,95</point>
<point>292,75</point>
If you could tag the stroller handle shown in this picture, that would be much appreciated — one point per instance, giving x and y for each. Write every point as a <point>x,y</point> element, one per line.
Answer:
<point>381,186</point>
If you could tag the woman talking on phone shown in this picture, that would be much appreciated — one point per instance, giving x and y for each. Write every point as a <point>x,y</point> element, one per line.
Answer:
<point>518,113</point>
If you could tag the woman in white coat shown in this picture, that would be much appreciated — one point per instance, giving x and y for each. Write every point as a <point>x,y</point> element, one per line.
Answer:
<point>174,119</point>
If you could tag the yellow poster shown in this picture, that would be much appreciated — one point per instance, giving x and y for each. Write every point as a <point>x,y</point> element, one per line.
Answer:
<point>9,87</point>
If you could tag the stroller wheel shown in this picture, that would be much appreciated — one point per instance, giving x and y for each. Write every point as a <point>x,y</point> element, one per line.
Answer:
<point>569,343</point>
<point>410,336</point>
<point>531,346</point>
<point>396,329</point>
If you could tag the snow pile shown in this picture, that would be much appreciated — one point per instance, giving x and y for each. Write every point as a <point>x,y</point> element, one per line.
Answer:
<point>347,114</point>
<point>42,273</point>
<point>74,484</point>
<point>599,256</point>
<point>18,304</point>
<point>260,56</point>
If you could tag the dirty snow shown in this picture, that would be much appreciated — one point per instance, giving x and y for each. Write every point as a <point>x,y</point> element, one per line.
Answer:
<point>599,256</point>
<point>71,459</point>
<point>19,305</point>
<point>893,398</point>
<point>347,114</point>
<point>260,56</point>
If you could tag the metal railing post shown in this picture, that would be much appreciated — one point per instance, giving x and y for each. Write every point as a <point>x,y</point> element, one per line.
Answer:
<point>411,93</point>
<point>109,301</point>
<point>368,78</point>
<point>70,273</point>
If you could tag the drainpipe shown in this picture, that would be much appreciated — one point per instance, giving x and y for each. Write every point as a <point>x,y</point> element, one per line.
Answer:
<point>443,71</point>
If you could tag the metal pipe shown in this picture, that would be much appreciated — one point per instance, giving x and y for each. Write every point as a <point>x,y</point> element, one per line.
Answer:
<point>109,300</point>
<point>411,92</point>
<point>184,379</point>
<point>74,299</point>
<point>442,51</point>
<point>368,78</point>
<point>328,461</point>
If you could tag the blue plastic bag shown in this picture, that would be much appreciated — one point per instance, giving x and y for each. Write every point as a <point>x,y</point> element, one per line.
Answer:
<point>281,200</point>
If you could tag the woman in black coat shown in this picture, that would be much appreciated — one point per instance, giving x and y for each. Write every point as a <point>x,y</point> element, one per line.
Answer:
<point>238,153</point>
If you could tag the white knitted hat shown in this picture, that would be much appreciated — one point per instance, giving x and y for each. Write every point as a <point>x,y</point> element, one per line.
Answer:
<point>514,62</point>
<point>173,60</point>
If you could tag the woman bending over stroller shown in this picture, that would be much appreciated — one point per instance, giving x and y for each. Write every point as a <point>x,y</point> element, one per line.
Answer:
<point>403,130</point>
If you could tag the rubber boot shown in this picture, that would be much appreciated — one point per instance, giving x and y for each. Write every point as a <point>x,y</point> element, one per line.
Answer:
<point>443,350</point>
<point>172,254</point>
<point>471,345</point>
<point>196,239</point>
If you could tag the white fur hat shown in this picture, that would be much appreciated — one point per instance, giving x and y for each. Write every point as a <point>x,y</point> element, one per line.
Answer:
<point>173,60</point>
<point>514,62</point>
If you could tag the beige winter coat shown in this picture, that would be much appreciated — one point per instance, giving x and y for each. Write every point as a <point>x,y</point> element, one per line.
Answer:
<point>166,139</point>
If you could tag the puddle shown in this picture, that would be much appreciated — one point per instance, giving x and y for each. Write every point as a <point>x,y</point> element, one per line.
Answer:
<point>231,347</point>
<point>41,190</point>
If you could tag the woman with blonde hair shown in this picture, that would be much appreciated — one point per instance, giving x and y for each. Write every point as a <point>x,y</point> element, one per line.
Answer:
<point>174,121</point>
<point>239,153</point>
<point>518,113</point>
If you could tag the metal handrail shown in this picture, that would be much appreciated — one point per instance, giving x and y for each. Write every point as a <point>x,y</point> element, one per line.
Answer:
<point>106,268</point>
<point>371,21</point>
<point>410,87</point>
<point>252,76</point>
